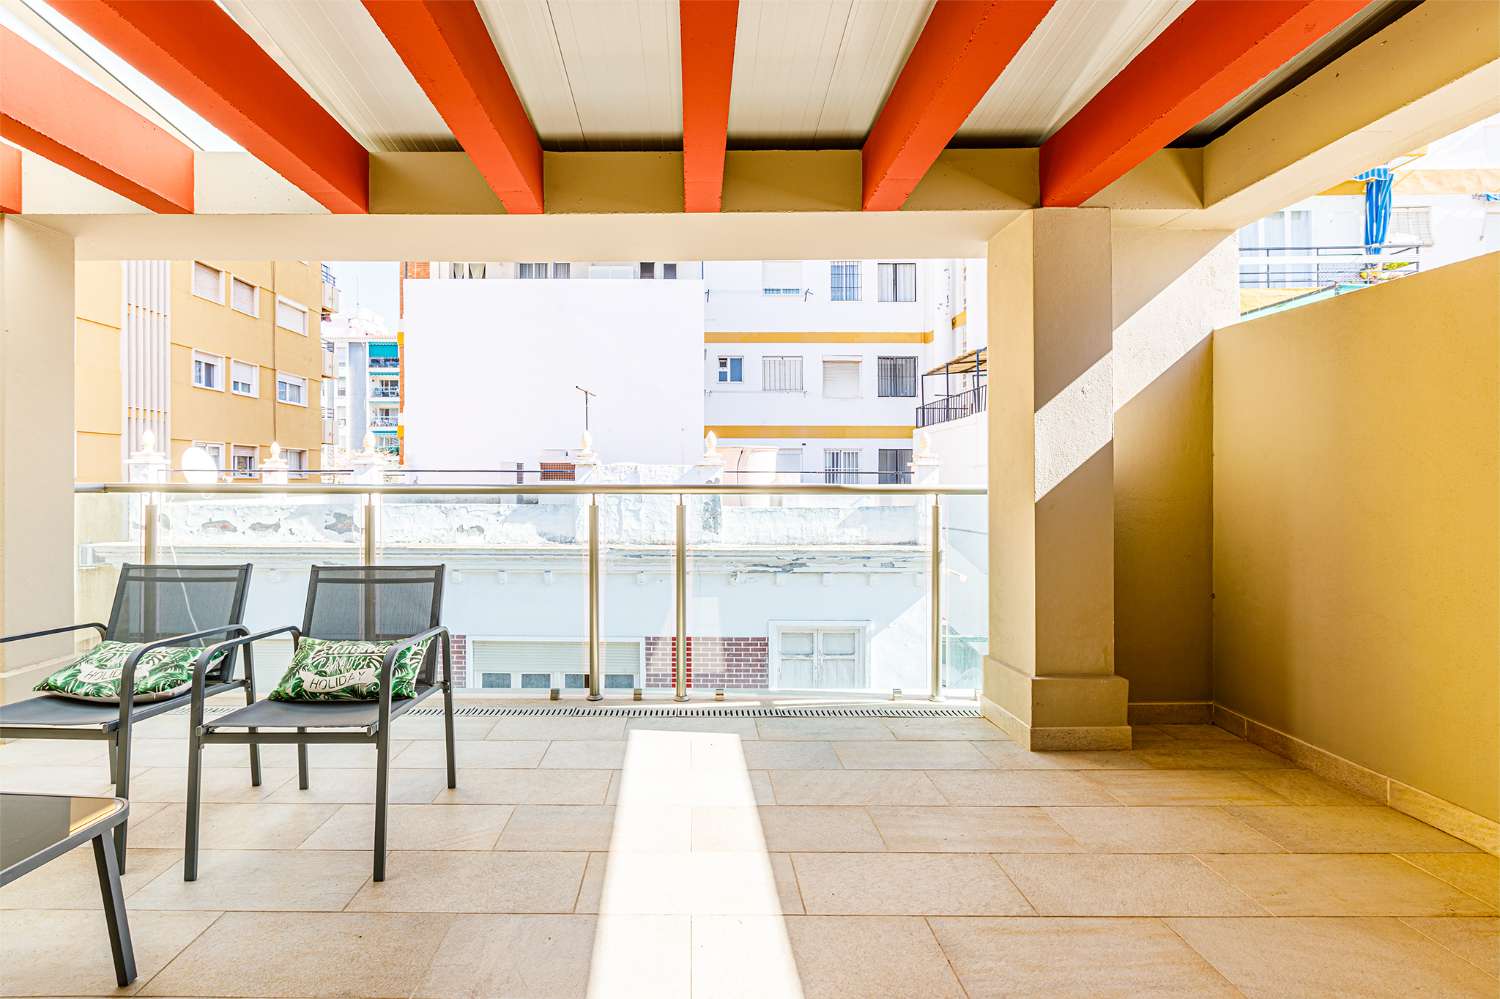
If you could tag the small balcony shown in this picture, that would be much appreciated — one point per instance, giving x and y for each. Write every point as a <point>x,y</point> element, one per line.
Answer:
<point>956,388</point>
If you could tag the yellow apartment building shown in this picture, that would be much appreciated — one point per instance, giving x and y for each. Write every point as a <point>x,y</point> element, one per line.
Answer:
<point>222,354</point>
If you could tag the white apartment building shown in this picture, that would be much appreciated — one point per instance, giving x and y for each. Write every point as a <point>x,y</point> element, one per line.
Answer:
<point>365,362</point>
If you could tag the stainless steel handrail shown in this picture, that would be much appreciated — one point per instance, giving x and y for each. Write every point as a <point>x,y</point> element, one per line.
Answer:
<point>535,489</point>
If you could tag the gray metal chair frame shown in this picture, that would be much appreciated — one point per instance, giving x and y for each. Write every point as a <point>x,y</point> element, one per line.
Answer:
<point>365,722</point>
<point>50,716</point>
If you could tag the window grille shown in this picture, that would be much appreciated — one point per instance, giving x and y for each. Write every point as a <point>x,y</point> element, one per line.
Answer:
<point>841,466</point>
<point>843,281</point>
<point>781,374</point>
<point>897,378</point>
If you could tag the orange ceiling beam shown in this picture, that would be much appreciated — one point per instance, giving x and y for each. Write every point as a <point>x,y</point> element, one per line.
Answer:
<point>707,36</point>
<point>1213,52</point>
<point>449,51</point>
<point>196,52</point>
<point>962,50</point>
<point>52,111</point>
<point>10,180</point>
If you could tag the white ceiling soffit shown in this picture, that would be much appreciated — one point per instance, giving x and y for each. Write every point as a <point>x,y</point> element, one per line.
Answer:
<point>593,74</point>
<point>1079,47</point>
<point>334,50</point>
<point>815,73</point>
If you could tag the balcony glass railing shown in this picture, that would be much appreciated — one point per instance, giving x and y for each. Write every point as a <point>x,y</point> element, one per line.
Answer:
<point>606,588</point>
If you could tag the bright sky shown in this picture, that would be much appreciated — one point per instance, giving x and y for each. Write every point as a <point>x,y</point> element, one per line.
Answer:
<point>366,284</point>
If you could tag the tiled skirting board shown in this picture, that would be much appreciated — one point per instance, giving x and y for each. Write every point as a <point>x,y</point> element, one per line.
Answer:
<point>1452,819</point>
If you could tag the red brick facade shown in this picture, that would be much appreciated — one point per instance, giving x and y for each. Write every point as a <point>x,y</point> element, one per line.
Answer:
<point>460,661</point>
<point>733,661</point>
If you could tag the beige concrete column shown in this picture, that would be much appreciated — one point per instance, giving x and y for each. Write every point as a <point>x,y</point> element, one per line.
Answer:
<point>1049,680</point>
<point>36,445</point>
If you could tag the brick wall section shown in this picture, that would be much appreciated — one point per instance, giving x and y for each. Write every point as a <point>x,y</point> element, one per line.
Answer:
<point>731,661</point>
<point>460,661</point>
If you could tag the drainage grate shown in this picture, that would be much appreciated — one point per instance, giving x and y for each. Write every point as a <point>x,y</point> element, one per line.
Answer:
<point>895,710</point>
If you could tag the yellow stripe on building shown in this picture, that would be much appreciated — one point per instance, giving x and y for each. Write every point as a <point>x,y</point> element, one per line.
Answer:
<point>961,319</point>
<point>743,431</point>
<point>873,336</point>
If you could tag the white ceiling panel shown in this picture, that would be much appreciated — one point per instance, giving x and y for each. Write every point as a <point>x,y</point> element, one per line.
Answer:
<point>593,74</point>
<point>816,72</point>
<point>1078,48</point>
<point>338,55</point>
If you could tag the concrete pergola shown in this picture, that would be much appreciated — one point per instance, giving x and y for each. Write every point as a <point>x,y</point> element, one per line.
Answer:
<point>1107,225</point>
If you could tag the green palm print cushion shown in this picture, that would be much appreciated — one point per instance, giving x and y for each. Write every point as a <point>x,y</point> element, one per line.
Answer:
<point>95,675</point>
<point>326,670</point>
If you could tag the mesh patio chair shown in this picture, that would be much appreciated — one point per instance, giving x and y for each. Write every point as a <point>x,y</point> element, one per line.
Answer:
<point>397,603</point>
<point>158,605</point>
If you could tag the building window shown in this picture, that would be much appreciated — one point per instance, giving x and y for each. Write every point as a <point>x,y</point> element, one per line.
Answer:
<point>840,378</point>
<point>1410,224</point>
<point>816,656</point>
<point>497,681</point>
<point>669,272</point>
<point>561,270</point>
<point>895,466</point>
<point>208,282</point>
<point>841,466</point>
<point>843,281</point>
<point>246,460</point>
<point>208,371</point>
<point>244,297</point>
<point>781,374</point>
<point>214,451</point>
<point>296,463</point>
<point>648,270</point>
<point>615,271</point>
<point>898,378</point>
<point>781,277</point>
<point>731,370</point>
<point>531,271</point>
<point>291,316</point>
<point>539,664</point>
<point>291,389</point>
<point>244,378</point>
<point>898,282</point>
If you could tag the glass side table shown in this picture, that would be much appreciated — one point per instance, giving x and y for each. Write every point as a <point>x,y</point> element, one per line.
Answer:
<point>37,828</point>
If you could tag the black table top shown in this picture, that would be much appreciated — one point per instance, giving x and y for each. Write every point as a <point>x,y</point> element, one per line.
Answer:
<point>30,824</point>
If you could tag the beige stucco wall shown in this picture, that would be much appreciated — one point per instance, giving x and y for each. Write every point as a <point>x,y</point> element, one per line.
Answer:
<point>1356,544</point>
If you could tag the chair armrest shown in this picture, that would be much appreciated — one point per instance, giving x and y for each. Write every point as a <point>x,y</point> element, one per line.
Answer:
<point>56,631</point>
<point>200,668</point>
<point>388,664</point>
<point>127,675</point>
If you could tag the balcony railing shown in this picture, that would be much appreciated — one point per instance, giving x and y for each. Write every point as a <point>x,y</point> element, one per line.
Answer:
<point>607,588</point>
<point>953,407</point>
<point>1320,266</point>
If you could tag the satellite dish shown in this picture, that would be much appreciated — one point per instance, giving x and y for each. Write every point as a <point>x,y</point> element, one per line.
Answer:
<point>198,466</point>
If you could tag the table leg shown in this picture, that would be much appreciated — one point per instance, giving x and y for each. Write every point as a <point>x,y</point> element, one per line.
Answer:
<point>114,908</point>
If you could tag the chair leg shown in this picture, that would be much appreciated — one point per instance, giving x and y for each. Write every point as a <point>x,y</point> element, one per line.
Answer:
<point>113,749</point>
<point>194,806</point>
<point>122,788</point>
<point>254,746</point>
<point>115,916</point>
<point>448,732</point>
<point>382,776</point>
<point>302,761</point>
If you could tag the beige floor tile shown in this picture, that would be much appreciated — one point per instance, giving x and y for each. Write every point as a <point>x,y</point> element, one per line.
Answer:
<point>412,827</point>
<point>1167,829</point>
<point>1313,957</point>
<point>906,884</point>
<point>945,729</point>
<point>784,828</point>
<point>742,957</point>
<point>305,954</point>
<point>856,957</point>
<point>1074,959</point>
<point>854,787</point>
<point>525,787</point>
<point>87,780</point>
<point>642,957</point>
<point>823,729</point>
<point>1476,873</point>
<point>475,882</point>
<point>431,727</point>
<point>716,786</point>
<point>774,755</point>
<point>219,784</point>
<point>1018,787</point>
<point>552,729</point>
<point>1476,940</point>
<point>901,755</point>
<point>1302,787</point>
<point>472,754</point>
<point>1124,885</point>
<point>585,754</point>
<point>335,756</point>
<point>1231,755</point>
<point>1009,756</point>
<point>482,956</point>
<point>52,952</point>
<point>259,826</point>
<point>174,753</point>
<point>357,787</point>
<point>955,829</point>
<point>1184,787</point>
<point>742,728</point>
<point>559,827</point>
<point>55,753</point>
<point>695,884</point>
<point>1368,884</point>
<point>72,881</point>
<point>1198,733</point>
<point>1346,829</point>
<point>260,880</point>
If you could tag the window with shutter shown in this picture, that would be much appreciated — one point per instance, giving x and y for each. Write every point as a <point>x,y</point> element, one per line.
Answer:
<point>244,297</point>
<point>291,316</point>
<point>841,466</point>
<point>208,282</point>
<point>781,277</point>
<point>781,374</point>
<point>531,271</point>
<point>841,379</point>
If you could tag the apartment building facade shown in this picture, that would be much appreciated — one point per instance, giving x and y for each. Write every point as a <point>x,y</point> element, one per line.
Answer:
<point>224,356</point>
<point>363,395</point>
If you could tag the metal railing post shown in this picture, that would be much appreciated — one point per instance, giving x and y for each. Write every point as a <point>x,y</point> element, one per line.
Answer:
<point>679,646</point>
<point>595,693</point>
<point>370,540</point>
<point>936,597</point>
<point>148,531</point>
